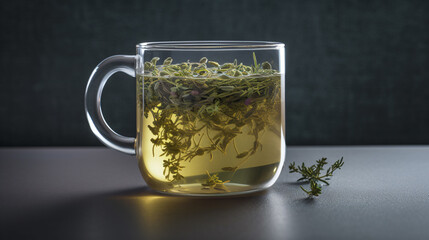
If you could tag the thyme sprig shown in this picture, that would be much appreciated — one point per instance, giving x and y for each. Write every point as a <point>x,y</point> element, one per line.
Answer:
<point>213,182</point>
<point>313,174</point>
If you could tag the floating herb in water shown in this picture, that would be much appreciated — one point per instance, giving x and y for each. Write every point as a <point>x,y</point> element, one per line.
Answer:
<point>196,110</point>
<point>213,182</point>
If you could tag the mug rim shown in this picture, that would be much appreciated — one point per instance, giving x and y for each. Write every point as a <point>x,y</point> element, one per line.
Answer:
<point>211,45</point>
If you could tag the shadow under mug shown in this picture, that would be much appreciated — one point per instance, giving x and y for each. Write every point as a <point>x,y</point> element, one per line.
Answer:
<point>210,114</point>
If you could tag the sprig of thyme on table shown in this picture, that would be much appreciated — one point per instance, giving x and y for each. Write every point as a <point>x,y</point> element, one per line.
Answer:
<point>313,174</point>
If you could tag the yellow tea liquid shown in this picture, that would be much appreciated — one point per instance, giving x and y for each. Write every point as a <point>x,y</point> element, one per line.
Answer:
<point>209,135</point>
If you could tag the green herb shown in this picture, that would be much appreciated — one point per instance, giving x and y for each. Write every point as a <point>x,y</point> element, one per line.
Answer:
<point>313,174</point>
<point>191,101</point>
<point>213,182</point>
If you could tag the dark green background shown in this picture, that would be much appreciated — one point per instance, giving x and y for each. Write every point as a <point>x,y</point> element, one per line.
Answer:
<point>357,71</point>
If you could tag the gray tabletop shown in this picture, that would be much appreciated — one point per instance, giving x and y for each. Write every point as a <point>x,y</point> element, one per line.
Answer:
<point>97,193</point>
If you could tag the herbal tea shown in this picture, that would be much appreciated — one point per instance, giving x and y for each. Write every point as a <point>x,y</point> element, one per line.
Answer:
<point>206,127</point>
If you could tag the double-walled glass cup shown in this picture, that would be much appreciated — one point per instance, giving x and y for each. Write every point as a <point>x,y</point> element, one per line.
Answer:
<point>210,114</point>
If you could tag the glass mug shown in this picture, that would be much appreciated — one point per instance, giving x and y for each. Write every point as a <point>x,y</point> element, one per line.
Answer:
<point>210,114</point>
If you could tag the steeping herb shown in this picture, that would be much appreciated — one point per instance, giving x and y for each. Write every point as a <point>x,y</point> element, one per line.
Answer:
<point>214,182</point>
<point>314,176</point>
<point>199,109</point>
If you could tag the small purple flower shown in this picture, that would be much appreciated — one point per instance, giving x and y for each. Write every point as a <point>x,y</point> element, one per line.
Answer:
<point>195,93</point>
<point>248,101</point>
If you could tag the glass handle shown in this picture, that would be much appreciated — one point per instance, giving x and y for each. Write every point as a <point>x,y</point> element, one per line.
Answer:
<point>94,89</point>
